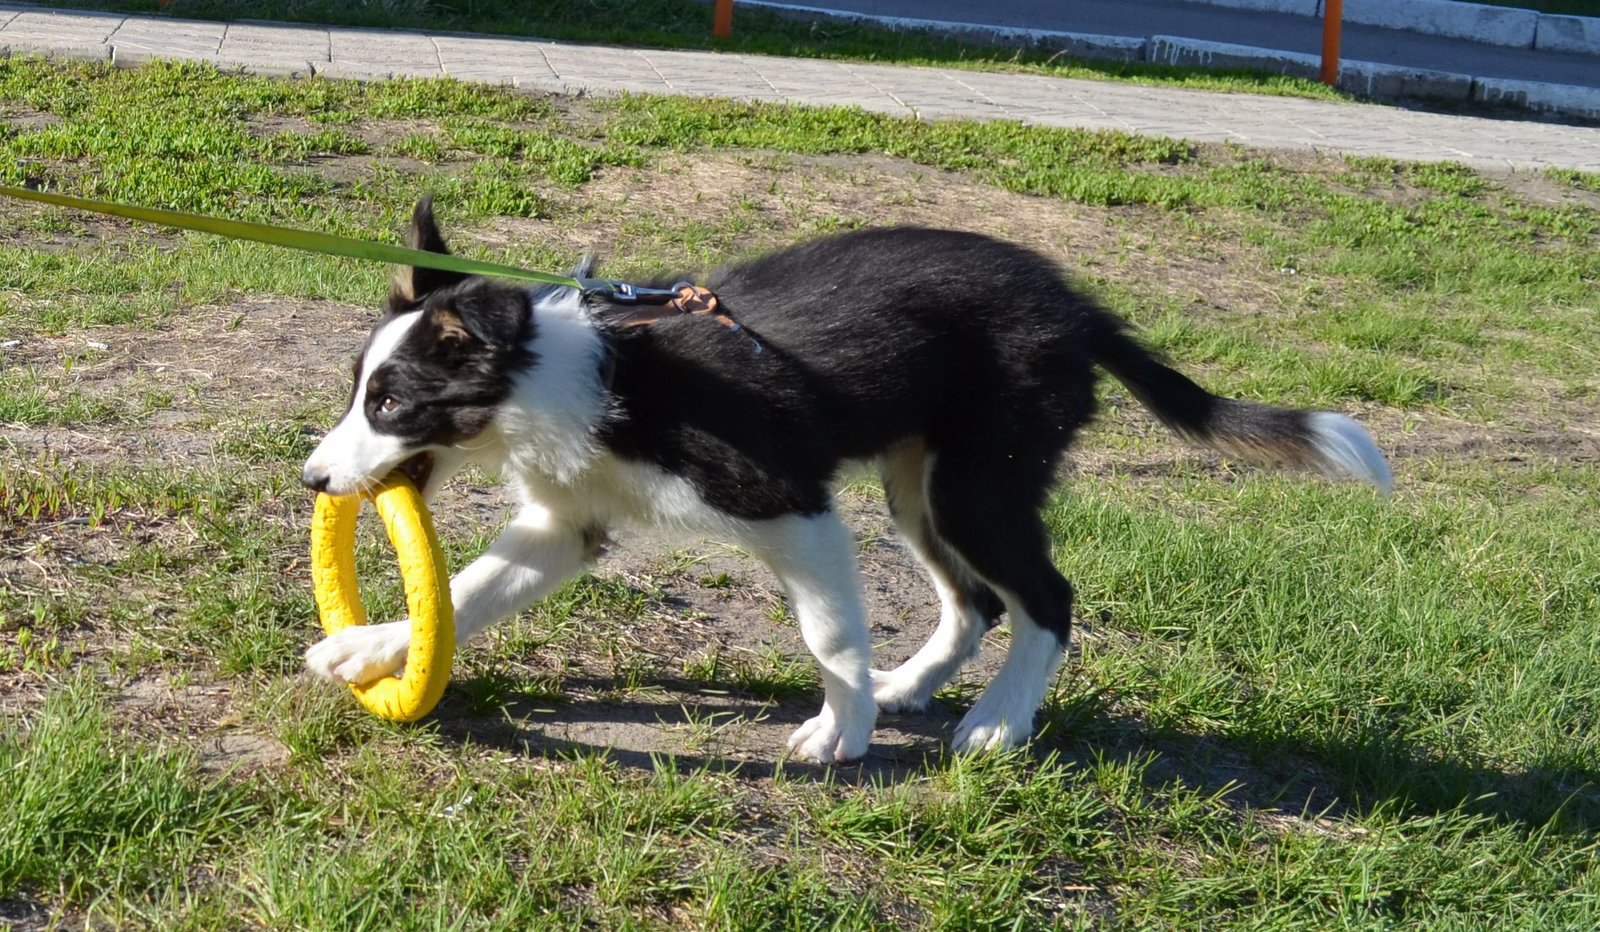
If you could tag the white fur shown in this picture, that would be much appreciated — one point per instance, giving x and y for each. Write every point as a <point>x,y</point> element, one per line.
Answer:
<point>1347,451</point>
<point>544,439</point>
<point>361,653</point>
<point>814,558</point>
<point>352,455</point>
<point>1003,715</point>
<point>910,686</point>
<point>547,428</point>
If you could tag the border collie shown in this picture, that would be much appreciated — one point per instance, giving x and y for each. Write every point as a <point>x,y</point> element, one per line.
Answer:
<point>960,367</point>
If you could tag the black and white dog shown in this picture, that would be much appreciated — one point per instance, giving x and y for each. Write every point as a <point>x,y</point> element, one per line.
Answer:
<point>958,366</point>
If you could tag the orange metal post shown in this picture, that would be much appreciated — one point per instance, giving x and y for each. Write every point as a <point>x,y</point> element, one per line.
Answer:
<point>722,19</point>
<point>1332,22</point>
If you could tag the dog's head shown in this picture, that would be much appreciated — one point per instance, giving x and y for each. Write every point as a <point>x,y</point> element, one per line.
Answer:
<point>430,378</point>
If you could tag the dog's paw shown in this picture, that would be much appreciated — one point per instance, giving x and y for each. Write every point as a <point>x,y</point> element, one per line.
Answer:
<point>982,731</point>
<point>822,741</point>
<point>896,692</point>
<point>361,653</point>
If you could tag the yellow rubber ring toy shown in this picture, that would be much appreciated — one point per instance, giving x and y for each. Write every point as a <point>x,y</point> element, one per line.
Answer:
<point>427,584</point>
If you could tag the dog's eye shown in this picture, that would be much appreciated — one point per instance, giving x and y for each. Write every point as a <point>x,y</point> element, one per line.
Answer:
<point>388,404</point>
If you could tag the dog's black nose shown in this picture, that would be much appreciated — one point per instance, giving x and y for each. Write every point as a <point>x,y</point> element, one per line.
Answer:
<point>316,482</point>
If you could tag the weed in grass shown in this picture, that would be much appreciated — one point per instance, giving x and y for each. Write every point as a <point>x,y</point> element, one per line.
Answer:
<point>771,674</point>
<point>32,653</point>
<point>50,490</point>
<point>88,819</point>
<point>28,398</point>
<point>1586,181</point>
<point>284,442</point>
<point>302,146</point>
<point>419,146</point>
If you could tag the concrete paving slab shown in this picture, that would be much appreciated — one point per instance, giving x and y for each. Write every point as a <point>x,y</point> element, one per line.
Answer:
<point>489,49</point>
<point>405,50</point>
<point>581,63</point>
<point>699,73</point>
<point>56,48</point>
<point>827,83</point>
<point>377,71</point>
<point>496,61</point>
<point>77,29</point>
<point>243,41</point>
<point>177,30</point>
<point>264,67</point>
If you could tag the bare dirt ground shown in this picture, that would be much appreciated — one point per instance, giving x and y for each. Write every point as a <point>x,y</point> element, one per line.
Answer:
<point>254,360</point>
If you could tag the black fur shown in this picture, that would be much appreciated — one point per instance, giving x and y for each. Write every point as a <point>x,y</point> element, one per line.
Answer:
<point>870,338</point>
<point>974,350</point>
<point>973,347</point>
<point>457,365</point>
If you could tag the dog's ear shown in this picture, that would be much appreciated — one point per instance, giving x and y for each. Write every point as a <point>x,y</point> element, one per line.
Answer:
<point>412,284</point>
<point>477,319</point>
<point>448,327</point>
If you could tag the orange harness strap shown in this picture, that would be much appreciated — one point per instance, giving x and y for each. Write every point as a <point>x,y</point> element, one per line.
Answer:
<point>690,299</point>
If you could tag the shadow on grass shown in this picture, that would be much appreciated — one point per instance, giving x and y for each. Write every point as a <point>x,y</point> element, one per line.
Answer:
<point>1335,777</point>
<point>681,723</point>
<point>742,734</point>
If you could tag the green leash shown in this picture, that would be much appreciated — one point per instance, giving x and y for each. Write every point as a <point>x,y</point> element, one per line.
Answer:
<point>327,243</point>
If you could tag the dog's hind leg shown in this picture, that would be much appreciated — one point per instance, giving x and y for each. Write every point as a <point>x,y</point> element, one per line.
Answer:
<point>988,513</point>
<point>968,607</point>
<point>813,557</point>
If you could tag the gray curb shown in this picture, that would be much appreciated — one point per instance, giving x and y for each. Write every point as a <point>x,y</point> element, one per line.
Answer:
<point>1292,7</point>
<point>1376,80</point>
<point>1491,25</point>
<point>1369,79</point>
<point>1568,34</point>
<point>1476,22</point>
<point>1539,97</point>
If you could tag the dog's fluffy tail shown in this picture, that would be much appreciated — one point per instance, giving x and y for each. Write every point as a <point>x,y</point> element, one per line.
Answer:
<point>1332,444</point>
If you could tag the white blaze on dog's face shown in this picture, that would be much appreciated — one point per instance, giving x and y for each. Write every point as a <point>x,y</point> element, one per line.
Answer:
<point>430,379</point>
<point>357,452</point>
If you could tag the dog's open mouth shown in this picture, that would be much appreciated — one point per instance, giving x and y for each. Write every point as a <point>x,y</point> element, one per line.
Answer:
<point>418,468</point>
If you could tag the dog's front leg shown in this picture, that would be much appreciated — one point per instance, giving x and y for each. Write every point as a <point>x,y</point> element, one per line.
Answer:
<point>536,553</point>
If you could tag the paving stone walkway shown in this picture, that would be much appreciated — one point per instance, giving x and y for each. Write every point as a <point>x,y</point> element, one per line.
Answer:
<point>924,93</point>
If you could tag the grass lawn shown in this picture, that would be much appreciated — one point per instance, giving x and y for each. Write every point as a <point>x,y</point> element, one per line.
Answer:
<point>1291,704</point>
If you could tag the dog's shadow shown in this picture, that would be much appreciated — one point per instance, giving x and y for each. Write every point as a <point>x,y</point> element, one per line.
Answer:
<point>689,727</point>
<point>669,722</point>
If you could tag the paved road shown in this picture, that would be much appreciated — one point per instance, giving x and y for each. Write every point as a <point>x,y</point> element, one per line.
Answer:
<point>1272,122</point>
<point>1241,27</point>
